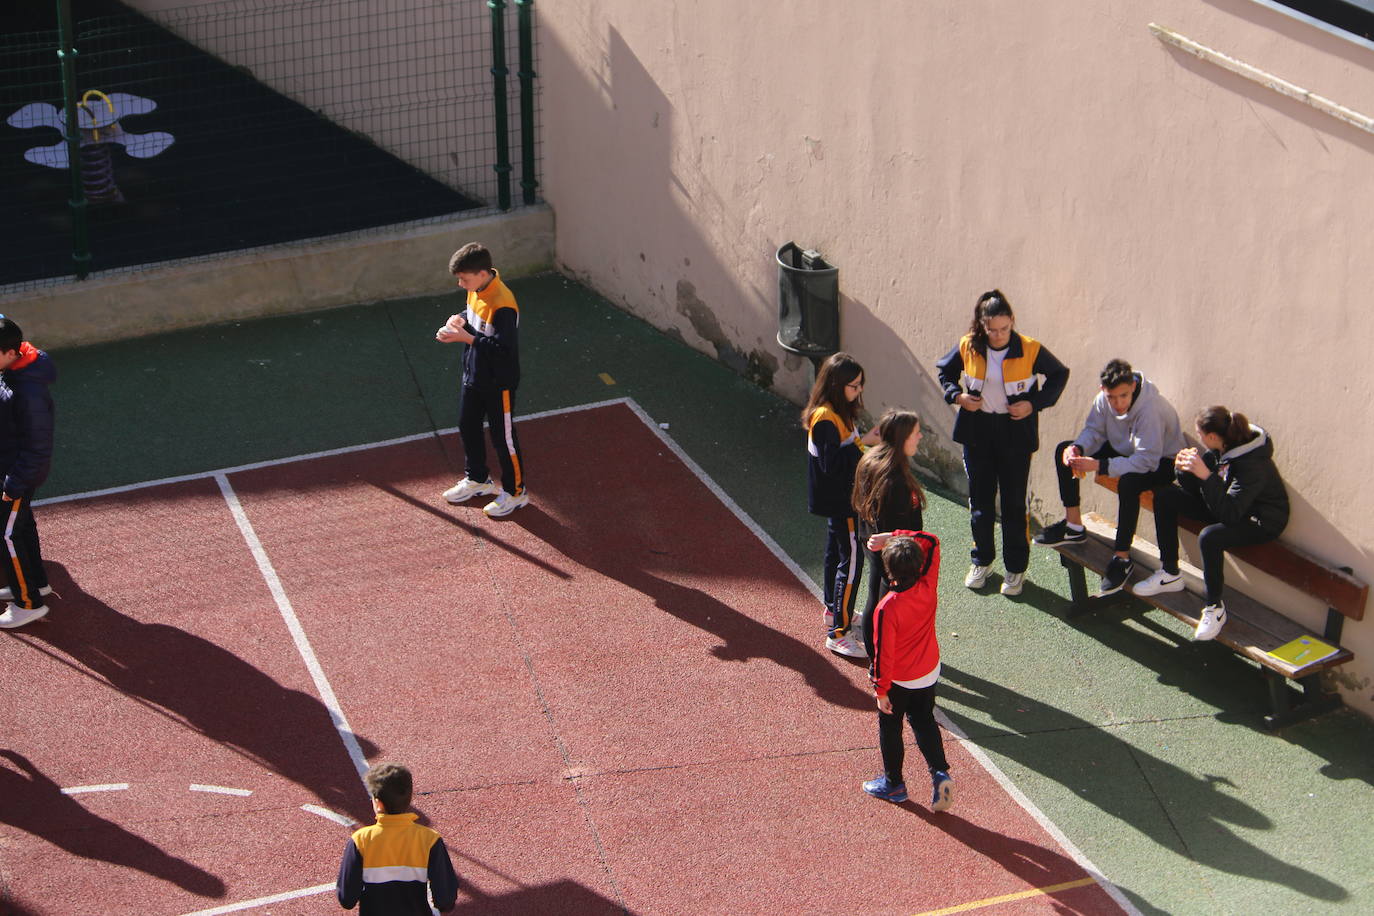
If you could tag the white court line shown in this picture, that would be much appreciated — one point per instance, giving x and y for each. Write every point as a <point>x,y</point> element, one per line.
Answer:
<point>264,901</point>
<point>309,456</point>
<point>293,624</point>
<point>334,816</point>
<point>978,754</point>
<point>106,787</point>
<point>222,790</point>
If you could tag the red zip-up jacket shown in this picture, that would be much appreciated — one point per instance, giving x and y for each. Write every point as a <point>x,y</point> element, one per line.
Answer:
<point>904,644</point>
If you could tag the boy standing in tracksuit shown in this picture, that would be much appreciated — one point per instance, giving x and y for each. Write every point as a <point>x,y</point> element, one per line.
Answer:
<point>491,372</point>
<point>388,866</point>
<point>26,432</point>
<point>1131,433</point>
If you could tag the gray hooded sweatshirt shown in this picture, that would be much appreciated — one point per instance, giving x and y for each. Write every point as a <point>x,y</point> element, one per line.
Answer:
<point>1145,435</point>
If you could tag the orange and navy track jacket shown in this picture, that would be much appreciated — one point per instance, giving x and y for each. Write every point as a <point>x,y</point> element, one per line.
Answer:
<point>387,865</point>
<point>1030,373</point>
<point>26,421</point>
<point>492,360</point>
<point>834,452</point>
<point>904,643</point>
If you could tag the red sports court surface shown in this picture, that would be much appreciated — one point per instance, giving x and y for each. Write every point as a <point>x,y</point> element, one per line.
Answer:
<point>613,701</point>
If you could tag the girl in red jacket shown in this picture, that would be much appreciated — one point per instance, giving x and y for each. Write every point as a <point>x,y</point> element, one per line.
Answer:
<point>906,664</point>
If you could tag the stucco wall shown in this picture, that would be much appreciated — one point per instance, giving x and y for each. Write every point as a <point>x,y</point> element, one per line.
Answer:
<point>1131,201</point>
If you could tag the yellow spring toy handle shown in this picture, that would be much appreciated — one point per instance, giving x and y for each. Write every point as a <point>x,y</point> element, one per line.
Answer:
<point>95,131</point>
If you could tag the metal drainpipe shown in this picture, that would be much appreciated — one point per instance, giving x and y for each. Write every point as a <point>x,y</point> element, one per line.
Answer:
<point>528,181</point>
<point>498,73</point>
<point>66,54</point>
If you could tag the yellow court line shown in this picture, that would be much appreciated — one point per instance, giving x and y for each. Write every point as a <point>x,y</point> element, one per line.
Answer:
<point>1006,898</point>
<point>605,377</point>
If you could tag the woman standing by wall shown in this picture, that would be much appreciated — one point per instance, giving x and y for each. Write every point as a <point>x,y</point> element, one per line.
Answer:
<point>1000,380</point>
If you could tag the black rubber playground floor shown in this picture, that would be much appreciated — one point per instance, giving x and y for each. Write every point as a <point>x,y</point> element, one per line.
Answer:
<point>247,165</point>
<point>1140,748</point>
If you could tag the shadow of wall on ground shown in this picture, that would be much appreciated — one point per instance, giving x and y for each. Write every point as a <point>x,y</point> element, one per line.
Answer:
<point>1224,849</point>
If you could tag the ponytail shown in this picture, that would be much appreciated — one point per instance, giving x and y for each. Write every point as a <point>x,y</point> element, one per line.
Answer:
<point>992,304</point>
<point>1233,428</point>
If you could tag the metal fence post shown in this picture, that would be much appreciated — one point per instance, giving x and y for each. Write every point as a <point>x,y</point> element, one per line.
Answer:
<point>66,54</point>
<point>528,182</point>
<point>498,73</point>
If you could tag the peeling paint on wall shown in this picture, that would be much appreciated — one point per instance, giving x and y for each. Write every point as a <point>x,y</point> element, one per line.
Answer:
<point>758,366</point>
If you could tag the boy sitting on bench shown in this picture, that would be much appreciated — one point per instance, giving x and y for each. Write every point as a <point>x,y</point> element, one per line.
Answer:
<point>1131,433</point>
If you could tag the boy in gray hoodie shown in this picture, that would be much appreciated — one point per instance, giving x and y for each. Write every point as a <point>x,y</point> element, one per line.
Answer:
<point>1131,433</point>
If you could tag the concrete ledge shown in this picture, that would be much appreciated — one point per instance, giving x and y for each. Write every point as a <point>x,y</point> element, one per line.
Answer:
<point>409,261</point>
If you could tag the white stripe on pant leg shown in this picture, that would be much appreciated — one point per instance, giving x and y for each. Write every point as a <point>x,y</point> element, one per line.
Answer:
<point>22,597</point>
<point>508,427</point>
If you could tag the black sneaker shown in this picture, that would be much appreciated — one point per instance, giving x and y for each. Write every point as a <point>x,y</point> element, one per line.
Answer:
<point>1118,571</point>
<point>1060,533</point>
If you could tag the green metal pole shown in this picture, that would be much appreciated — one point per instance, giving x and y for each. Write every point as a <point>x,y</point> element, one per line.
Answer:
<point>498,73</point>
<point>66,54</point>
<point>528,182</point>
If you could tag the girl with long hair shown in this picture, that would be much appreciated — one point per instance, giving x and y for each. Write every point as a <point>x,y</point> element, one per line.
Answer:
<point>887,497</point>
<point>833,446</point>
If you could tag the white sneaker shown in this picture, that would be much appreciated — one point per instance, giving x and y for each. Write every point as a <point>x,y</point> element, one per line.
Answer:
<point>1213,619</point>
<point>467,488</point>
<point>1013,583</point>
<point>846,645</point>
<point>504,504</point>
<point>7,595</point>
<point>977,576</point>
<point>16,616</point>
<point>1159,581</point>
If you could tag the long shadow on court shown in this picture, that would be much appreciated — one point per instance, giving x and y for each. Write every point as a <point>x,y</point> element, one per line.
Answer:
<point>35,804</point>
<point>1077,769</point>
<point>742,637</point>
<point>206,688</point>
<point>1038,866</point>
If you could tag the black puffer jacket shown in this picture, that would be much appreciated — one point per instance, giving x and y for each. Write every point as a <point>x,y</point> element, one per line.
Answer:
<point>1245,485</point>
<point>26,422</point>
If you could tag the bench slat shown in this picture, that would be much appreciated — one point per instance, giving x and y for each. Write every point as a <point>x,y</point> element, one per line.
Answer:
<point>1252,629</point>
<point>1286,563</point>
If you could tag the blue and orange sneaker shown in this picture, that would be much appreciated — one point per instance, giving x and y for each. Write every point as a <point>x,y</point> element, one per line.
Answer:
<point>884,788</point>
<point>942,794</point>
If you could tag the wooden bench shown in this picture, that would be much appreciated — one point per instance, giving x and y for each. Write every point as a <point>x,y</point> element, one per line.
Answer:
<point>1252,628</point>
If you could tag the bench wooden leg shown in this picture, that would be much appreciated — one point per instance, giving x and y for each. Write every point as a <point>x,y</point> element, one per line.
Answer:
<point>1078,587</point>
<point>1313,702</point>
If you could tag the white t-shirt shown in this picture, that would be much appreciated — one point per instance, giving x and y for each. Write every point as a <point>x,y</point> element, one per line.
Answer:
<point>994,389</point>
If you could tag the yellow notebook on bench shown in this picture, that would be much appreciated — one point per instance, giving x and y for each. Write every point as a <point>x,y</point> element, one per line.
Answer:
<point>1304,651</point>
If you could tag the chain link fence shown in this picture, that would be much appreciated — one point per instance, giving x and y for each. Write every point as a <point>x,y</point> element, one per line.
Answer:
<point>244,123</point>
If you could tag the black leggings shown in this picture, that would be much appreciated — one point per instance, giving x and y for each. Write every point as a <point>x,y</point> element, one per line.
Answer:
<point>918,707</point>
<point>1213,541</point>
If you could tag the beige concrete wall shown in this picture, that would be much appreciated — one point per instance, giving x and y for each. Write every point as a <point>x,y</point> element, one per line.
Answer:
<point>1131,201</point>
<point>290,278</point>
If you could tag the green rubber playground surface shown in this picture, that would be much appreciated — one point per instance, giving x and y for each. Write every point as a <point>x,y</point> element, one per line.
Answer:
<point>1143,748</point>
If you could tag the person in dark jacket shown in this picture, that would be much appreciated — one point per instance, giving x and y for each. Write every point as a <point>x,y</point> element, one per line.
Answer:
<point>887,496</point>
<point>833,448</point>
<point>26,427</point>
<point>1233,486</point>
<point>1000,381</point>
<point>491,372</point>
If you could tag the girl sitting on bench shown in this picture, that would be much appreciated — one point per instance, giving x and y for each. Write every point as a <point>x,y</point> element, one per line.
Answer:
<point>1234,487</point>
